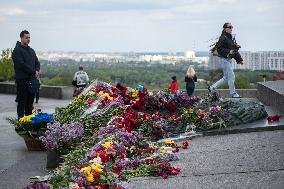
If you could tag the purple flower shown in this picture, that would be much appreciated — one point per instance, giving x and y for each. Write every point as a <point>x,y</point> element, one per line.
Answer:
<point>110,128</point>
<point>123,185</point>
<point>119,101</point>
<point>119,148</point>
<point>213,110</point>
<point>57,135</point>
<point>98,147</point>
<point>93,154</point>
<point>127,138</point>
<point>124,164</point>
<point>78,178</point>
<point>136,163</point>
<point>171,157</point>
<point>38,186</point>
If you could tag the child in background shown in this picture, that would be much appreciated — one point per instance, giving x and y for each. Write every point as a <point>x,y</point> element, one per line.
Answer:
<point>190,79</point>
<point>174,85</point>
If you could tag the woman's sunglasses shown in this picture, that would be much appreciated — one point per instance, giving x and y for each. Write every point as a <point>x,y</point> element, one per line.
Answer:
<point>231,27</point>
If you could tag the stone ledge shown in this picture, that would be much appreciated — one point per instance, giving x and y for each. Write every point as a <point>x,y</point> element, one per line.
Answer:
<point>65,92</point>
<point>245,93</point>
<point>233,130</point>
<point>57,92</point>
<point>271,93</point>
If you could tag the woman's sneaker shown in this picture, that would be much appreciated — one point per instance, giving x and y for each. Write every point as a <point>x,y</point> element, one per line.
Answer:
<point>236,95</point>
<point>211,89</point>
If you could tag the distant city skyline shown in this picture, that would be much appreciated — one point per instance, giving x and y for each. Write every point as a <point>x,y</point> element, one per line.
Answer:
<point>141,26</point>
<point>262,60</point>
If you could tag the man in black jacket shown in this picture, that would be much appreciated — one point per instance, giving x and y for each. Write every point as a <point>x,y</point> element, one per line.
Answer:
<point>26,67</point>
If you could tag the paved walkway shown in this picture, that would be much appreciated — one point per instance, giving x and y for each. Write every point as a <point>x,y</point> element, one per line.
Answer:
<point>250,160</point>
<point>12,147</point>
<point>247,160</point>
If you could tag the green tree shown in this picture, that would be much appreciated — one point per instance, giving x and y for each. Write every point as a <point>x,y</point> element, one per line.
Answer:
<point>242,83</point>
<point>56,81</point>
<point>6,65</point>
<point>215,75</point>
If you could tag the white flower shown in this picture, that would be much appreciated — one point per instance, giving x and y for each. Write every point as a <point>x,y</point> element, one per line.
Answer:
<point>73,185</point>
<point>96,160</point>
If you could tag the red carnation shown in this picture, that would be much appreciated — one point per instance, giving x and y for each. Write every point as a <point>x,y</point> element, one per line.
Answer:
<point>138,105</point>
<point>96,175</point>
<point>150,161</point>
<point>175,170</point>
<point>90,101</point>
<point>105,158</point>
<point>176,150</point>
<point>185,145</point>
<point>80,184</point>
<point>165,175</point>
<point>122,156</point>
<point>171,106</point>
<point>117,171</point>
<point>102,187</point>
<point>113,90</point>
<point>273,118</point>
<point>121,88</point>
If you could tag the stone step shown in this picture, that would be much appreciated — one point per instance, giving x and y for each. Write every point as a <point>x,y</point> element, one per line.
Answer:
<point>271,93</point>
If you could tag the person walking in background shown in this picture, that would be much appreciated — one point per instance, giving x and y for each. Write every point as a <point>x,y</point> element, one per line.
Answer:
<point>227,49</point>
<point>16,100</point>
<point>37,92</point>
<point>27,68</point>
<point>174,85</point>
<point>190,79</point>
<point>80,80</point>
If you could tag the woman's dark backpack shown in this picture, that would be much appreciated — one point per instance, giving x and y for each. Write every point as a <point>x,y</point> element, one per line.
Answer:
<point>74,83</point>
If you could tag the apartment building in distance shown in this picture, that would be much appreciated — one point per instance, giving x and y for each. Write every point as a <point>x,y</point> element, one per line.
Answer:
<point>261,60</point>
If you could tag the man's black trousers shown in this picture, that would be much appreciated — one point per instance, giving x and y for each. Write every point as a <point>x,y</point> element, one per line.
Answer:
<point>25,99</point>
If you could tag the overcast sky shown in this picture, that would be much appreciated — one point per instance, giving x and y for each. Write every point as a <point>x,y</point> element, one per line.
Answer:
<point>141,25</point>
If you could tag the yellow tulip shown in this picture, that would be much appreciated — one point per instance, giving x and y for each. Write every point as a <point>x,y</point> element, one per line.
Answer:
<point>26,119</point>
<point>135,93</point>
<point>169,141</point>
<point>101,93</point>
<point>90,178</point>
<point>97,168</point>
<point>87,170</point>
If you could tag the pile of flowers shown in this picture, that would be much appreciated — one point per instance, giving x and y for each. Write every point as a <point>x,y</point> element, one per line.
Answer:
<point>113,133</point>
<point>32,126</point>
<point>118,156</point>
<point>204,119</point>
